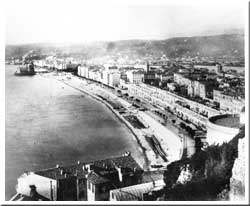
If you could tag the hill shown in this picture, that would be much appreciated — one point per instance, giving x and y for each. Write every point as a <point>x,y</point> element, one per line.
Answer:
<point>213,46</point>
<point>227,45</point>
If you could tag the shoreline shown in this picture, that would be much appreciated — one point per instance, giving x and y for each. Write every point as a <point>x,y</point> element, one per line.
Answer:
<point>146,162</point>
<point>120,117</point>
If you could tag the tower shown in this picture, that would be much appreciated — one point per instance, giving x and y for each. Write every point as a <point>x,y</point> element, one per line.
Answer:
<point>218,68</point>
<point>147,67</point>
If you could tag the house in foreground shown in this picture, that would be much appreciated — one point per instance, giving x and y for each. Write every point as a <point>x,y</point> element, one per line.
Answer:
<point>91,181</point>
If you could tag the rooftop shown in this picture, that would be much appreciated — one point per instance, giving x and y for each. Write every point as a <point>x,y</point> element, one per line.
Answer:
<point>96,179</point>
<point>138,72</point>
<point>234,93</point>
<point>63,171</point>
<point>127,162</point>
<point>135,193</point>
<point>101,170</point>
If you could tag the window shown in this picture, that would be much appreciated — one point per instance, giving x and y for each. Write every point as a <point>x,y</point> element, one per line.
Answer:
<point>89,185</point>
<point>93,188</point>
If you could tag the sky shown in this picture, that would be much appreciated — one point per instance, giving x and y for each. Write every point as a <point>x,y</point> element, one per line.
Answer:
<point>80,21</point>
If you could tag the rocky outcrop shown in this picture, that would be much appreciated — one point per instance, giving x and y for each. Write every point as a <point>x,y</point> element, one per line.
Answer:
<point>217,173</point>
<point>186,175</point>
<point>237,181</point>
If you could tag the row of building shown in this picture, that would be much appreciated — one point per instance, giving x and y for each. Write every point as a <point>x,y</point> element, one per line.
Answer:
<point>203,84</point>
<point>194,112</point>
<point>112,75</point>
<point>55,63</point>
<point>206,86</point>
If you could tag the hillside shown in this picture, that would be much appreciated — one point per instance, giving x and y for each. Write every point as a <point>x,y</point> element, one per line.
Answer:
<point>210,173</point>
<point>229,45</point>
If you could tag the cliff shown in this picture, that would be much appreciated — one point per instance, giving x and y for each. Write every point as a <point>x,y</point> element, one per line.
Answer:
<point>237,181</point>
<point>208,174</point>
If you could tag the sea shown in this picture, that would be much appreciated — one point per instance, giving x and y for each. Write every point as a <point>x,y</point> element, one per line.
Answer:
<point>48,123</point>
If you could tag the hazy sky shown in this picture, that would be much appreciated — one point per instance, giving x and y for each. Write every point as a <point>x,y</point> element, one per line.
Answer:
<point>75,21</point>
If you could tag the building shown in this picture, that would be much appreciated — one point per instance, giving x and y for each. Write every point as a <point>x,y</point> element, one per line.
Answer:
<point>196,89</point>
<point>144,67</point>
<point>198,83</point>
<point>149,77</point>
<point>135,77</point>
<point>56,184</point>
<point>90,181</point>
<point>185,78</point>
<point>111,76</point>
<point>163,77</point>
<point>72,67</point>
<point>110,174</point>
<point>114,78</point>
<point>95,74</point>
<point>135,192</point>
<point>39,63</point>
<point>222,128</point>
<point>218,69</point>
<point>202,89</point>
<point>229,102</point>
<point>59,65</point>
<point>83,71</point>
<point>123,76</point>
<point>181,79</point>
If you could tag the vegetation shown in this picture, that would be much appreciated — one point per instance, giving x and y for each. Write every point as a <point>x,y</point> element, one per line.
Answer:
<point>211,170</point>
<point>134,121</point>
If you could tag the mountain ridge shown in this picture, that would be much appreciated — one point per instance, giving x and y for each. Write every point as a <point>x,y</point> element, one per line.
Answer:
<point>204,46</point>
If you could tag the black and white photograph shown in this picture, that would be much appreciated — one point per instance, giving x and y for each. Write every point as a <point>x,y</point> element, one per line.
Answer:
<point>125,101</point>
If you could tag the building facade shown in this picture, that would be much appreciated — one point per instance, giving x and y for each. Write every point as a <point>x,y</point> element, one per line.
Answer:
<point>135,77</point>
<point>196,88</point>
<point>180,79</point>
<point>83,71</point>
<point>111,76</point>
<point>228,103</point>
